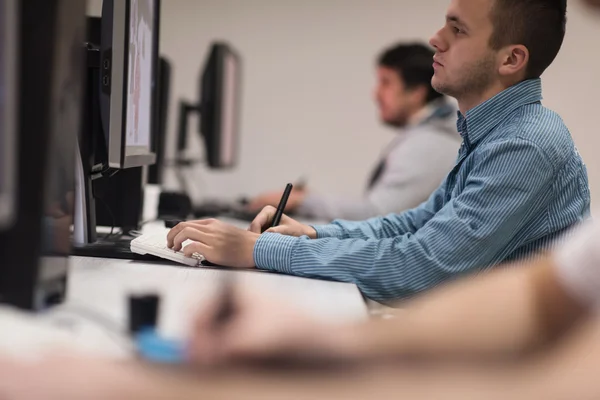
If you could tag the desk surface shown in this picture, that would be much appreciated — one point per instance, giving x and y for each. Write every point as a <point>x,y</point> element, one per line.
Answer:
<point>103,284</point>
<point>96,306</point>
<point>94,316</point>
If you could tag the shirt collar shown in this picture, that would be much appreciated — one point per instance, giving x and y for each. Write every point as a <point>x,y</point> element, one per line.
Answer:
<point>481,119</point>
<point>420,116</point>
<point>438,108</point>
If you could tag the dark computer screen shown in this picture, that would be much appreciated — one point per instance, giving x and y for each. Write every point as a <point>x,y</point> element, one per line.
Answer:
<point>35,249</point>
<point>161,110</point>
<point>7,119</point>
<point>220,106</point>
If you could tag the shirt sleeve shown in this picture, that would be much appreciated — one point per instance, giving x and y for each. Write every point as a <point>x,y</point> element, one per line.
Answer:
<point>577,263</point>
<point>388,226</point>
<point>398,256</point>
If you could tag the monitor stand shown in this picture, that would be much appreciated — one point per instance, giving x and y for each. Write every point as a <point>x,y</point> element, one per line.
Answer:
<point>87,242</point>
<point>111,248</point>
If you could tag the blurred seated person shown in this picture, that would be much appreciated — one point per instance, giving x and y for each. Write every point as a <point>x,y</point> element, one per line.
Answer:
<point>415,162</point>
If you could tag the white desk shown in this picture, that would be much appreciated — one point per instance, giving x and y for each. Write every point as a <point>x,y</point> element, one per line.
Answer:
<point>99,287</point>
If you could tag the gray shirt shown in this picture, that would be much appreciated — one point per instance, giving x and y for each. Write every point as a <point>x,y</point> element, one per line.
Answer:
<point>414,165</point>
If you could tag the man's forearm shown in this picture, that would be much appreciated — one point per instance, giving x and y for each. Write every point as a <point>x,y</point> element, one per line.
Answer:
<point>388,226</point>
<point>368,381</point>
<point>568,371</point>
<point>503,312</point>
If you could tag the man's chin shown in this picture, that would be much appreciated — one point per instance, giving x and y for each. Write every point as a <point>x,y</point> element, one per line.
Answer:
<point>440,87</point>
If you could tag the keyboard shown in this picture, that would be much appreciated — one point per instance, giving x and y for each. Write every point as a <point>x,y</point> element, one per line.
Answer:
<point>156,244</point>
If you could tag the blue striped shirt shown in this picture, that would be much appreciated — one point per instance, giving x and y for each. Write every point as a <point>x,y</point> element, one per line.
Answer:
<point>518,183</point>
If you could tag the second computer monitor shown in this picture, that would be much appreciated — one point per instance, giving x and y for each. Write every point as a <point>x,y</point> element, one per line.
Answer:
<point>220,89</point>
<point>219,106</point>
<point>129,61</point>
<point>161,110</point>
<point>8,99</point>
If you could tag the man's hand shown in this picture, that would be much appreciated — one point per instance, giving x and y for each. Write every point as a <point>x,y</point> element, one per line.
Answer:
<point>218,242</point>
<point>273,198</point>
<point>262,327</point>
<point>287,225</point>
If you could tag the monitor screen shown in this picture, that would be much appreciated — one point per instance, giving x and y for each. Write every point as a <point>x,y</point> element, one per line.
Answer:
<point>229,110</point>
<point>7,110</point>
<point>220,88</point>
<point>139,77</point>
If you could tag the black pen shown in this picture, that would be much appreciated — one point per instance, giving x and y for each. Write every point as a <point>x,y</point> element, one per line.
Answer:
<point>282,204</point>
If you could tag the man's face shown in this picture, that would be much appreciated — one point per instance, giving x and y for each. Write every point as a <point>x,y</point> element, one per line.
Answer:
<point>392,97</point>
<point>464,64</point>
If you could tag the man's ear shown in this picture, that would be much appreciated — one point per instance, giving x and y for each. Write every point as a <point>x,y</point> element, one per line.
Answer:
<point>514,60</point>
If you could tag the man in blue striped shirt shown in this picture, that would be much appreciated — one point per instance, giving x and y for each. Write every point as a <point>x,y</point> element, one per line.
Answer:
<point>518,182</point>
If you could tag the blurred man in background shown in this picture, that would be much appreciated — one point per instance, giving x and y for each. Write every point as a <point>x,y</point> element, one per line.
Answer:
<point>415,162</point>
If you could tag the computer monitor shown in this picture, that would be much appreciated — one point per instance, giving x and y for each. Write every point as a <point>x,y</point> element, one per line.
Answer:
<point>159,136</point>
<point>35,249</point>
<point>119,123</point>
<point>8,98</point>
<point>219,107</point>
<point>128,60</point>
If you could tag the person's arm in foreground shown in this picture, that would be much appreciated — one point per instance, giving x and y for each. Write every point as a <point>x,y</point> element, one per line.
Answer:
<point>511,310</point>
<point>505,312</point>
<point>569,371</point>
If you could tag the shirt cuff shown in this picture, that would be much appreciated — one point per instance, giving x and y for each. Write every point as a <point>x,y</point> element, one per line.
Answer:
<point>329,230</point>
<point>273,252</point>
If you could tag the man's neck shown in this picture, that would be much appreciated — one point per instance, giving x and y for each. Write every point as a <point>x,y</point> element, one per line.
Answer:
<point>468,102</point>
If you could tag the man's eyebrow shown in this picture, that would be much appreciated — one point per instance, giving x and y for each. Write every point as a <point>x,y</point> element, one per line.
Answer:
<point>455,19</point>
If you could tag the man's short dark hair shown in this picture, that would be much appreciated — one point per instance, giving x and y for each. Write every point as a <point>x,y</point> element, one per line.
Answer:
<point>414,64</point>
<point>539,25</point>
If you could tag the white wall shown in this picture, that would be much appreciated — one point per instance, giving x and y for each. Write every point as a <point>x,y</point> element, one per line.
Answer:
<point>307,105</point>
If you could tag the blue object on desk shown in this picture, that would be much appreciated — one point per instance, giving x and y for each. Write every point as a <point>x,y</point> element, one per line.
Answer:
<point>154,348</point>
